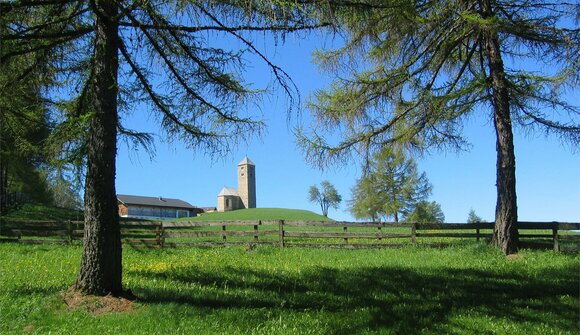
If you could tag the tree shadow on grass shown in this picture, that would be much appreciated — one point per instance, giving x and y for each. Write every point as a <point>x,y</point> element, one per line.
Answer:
<point>393,299</point>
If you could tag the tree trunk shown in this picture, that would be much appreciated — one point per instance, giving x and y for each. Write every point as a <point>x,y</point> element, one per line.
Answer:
<point>3,184</point>
<point>505,234</point>
<point>101,271</point>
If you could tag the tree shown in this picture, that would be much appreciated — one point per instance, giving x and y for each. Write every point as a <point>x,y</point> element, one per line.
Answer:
<point>392,187</point>
<point>411,72</point>
<point>64,192</point>
<point>24,129</point>
<point>426,212</point>
<point>326,196</point>
<point>106,56</point>
<point>365,202</point>
<point>474,218</point>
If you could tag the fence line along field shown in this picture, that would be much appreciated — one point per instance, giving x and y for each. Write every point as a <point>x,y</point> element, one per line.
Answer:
<point>292,233</point>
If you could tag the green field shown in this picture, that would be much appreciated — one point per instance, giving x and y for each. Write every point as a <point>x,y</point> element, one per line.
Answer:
<point>259,214</point>
<point>414,290</point>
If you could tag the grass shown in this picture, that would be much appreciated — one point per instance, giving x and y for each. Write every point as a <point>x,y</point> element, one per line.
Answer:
<point>42,212</point>
<point>259,214</point>
<point>459,290</point>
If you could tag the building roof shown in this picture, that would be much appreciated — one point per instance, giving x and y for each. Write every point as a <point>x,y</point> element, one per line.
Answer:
<point>153,201</point>
<point>228,191</point>
<point>246,161</point>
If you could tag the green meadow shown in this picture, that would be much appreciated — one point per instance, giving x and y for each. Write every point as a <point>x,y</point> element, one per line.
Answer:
<point>470,289</point>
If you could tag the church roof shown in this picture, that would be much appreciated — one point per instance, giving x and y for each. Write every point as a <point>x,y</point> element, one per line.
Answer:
<point>228,191</point>
<point>246,161</point>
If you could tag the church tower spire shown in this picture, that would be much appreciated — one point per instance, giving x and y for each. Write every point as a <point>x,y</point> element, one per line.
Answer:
<point>247,183</point>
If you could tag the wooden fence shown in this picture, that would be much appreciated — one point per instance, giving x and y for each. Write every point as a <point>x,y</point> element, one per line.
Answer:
<point>553,235</point>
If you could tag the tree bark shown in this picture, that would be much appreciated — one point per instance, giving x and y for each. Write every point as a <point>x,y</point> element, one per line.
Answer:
<point>3,184</point>
<point>324,208</point>
<point>505,234</point>
<point>101,270</point>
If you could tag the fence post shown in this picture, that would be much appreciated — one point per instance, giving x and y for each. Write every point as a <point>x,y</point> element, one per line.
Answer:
<point>256,231</point>
<point>555,237</point>
<point>281,233</point>
<point>380,232</point>
<point>70,231</point>
<point>158,235</point>
<point>162,234</point>
<point>224,238</point>
<point>477,230</point>
<point>414,232</point>
<point>344,229</point>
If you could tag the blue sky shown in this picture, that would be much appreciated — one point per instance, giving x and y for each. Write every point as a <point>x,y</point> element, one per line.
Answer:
<point>548,172</point>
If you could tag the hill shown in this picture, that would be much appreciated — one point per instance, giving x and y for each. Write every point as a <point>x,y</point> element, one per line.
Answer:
<point>260,214</point>
<point>42,212</point>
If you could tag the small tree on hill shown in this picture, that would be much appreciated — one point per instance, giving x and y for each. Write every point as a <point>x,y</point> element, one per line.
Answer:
<point>326,196</point>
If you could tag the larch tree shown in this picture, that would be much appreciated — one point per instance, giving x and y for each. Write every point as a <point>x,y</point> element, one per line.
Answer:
<point>24,129</point>
<point>411,72</point>
<point>364,203</point>
<point>426,212</point>
<point>391,187</point>
<point>109,56</point>
<point>472,217</point>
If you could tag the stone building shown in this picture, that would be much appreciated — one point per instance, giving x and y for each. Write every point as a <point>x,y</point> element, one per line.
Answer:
<point>230,199</point>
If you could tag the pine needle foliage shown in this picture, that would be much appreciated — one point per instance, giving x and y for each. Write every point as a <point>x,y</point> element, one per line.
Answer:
<point>410,73</point>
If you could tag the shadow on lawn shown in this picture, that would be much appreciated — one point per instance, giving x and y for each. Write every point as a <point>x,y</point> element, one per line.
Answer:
<point>401,300</point>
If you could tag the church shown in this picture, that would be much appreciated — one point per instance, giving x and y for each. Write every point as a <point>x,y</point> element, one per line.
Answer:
<point>244,196</point>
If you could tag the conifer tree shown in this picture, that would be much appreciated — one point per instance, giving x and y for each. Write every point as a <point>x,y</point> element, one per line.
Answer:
<point>411,72</point>
<point>391,188</point>
<point>106,56</point>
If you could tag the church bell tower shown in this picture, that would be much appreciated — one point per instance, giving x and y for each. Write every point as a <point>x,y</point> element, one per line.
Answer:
<point>247,183</point>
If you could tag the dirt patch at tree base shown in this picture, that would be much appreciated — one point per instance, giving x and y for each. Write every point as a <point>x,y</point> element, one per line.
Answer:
<point>96,305</point>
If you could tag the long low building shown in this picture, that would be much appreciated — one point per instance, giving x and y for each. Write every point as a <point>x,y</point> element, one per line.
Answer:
<point>134,206</point>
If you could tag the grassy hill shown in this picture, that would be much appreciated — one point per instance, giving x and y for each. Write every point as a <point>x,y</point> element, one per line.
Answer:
<point>260,214</point>
<point>42,212</point>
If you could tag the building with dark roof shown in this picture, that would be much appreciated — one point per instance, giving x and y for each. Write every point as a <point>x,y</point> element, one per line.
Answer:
<point>155,207</point>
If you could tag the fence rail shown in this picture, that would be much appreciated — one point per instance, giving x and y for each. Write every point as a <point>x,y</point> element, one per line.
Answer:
<point>353,235</point>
